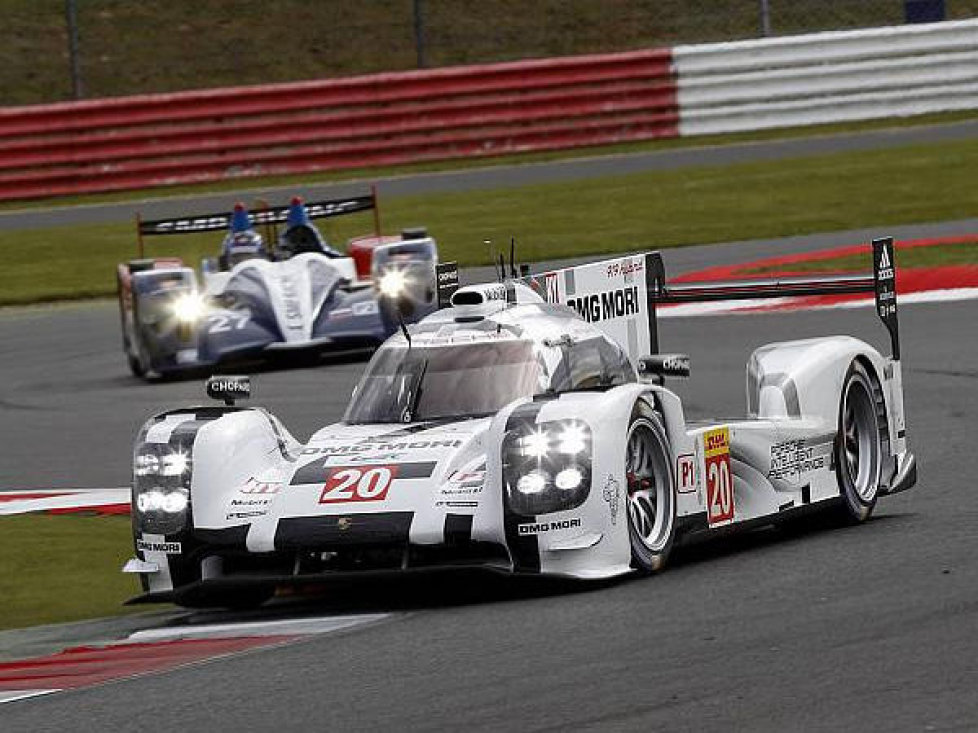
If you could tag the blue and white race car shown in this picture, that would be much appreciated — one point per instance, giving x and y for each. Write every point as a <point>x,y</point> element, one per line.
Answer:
<point>255,300</point>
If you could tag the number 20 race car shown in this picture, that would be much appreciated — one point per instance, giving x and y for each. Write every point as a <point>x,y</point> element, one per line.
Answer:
<point>292,294</point>
<point>522,427</point>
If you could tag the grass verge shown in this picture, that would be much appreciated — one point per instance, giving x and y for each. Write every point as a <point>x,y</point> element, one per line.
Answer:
<point>64,568</point>
<point>300,181</point>
<point>939,255</point>
<point>919,183</point>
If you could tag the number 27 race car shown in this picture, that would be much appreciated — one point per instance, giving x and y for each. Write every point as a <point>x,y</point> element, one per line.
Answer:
<point>524,427</point>
<point>292,294</point>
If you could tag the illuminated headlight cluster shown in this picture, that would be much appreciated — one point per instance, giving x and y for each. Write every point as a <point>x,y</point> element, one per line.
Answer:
<point>547,467</point>
<point>392,283</point>
<point>188,308</point>
<point>161,488</point>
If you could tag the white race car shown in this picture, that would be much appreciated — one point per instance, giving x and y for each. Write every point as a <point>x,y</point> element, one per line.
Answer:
<point>524,427</point>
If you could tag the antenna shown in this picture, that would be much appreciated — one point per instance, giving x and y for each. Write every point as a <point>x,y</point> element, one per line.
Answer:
<point>512,258</point>
<point>404,328</point>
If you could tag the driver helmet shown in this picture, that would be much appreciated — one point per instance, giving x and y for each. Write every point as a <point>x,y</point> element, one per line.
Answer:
<point>242,242</point>
<point>300,235</point>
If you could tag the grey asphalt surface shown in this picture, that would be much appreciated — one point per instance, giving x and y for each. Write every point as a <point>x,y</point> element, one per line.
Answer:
<point>499,176</point>
<point>863,628</point>
<point>69,408</point>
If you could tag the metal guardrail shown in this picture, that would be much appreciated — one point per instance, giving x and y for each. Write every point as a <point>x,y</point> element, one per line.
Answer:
<point>382,119</point>
<point>827,77</point>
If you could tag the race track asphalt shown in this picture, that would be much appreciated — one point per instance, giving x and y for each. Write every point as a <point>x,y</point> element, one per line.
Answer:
<point>864,628</point>
<point>861,628</point>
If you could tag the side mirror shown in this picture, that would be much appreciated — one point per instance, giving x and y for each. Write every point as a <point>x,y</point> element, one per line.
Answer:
<point>229,388</point>
<point>658,366</point>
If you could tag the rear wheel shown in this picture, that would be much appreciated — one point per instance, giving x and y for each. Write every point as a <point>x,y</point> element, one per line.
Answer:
<point>651,497</point>
<point>859,449</point>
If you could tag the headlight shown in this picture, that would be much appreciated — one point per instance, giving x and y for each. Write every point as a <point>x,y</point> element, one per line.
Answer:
<point>547,467</point>
<point>392,283</point>
<point>188,308</point>
<point>161,488</point>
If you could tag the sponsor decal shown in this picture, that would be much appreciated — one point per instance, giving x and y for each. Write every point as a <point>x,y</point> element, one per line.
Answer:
<point>719,478</point>
<point>552,288</point>
<point>381,447</point>
<point>251,502</point>
<point>447,282</point>
<point>367,308</point>
<point>290,299</point>
<point>625,267</point>
<point>462,489</point>
<point>686,473</point>
<point>338,314</point>
<point>885,269</point>
<point>544,527</point>
<point>495,292</point>
<point>254,486</point>
<point>792,458</point>
<point>244,515</point>
<point>373,458</point>
<point>357,483</point>
<point>170,548</point>
<point>607,305</point>
<point>611,493</point>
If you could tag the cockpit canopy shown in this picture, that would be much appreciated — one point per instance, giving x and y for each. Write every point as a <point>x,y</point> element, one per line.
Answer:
<point>463,369</point>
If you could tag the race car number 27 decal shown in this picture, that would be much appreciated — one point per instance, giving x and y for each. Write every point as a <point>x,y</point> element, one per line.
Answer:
<point>719,480</point>
<point>357,483</point>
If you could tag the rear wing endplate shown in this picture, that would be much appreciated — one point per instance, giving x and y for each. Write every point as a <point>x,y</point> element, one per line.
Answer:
<point>620,296</point>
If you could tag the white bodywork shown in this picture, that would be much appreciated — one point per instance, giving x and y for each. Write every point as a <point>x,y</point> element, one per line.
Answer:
<point>250,476</point>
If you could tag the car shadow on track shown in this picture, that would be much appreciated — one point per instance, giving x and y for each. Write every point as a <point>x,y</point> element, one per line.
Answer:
<point>458,588</point>
<point>396,595</point>
<point>777,535</point>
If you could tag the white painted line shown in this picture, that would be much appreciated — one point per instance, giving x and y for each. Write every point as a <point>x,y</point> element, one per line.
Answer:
<point>11,695</point>
<point>283,627</point>
<point>68,499</point>
<point>783,305</point>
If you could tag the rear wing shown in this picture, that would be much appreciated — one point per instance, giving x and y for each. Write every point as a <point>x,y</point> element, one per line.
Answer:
<point>268,216</point>
<point>620,296</point>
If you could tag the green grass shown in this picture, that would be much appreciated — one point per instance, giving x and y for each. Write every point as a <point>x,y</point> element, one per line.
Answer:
<point>64,568</point>
<point>919,183</point>
<point>960,253</point>
<point>233,187</point>
<point>131,47</point>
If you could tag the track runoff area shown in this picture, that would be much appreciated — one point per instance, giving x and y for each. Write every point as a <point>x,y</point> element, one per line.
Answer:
<point>182,641</point>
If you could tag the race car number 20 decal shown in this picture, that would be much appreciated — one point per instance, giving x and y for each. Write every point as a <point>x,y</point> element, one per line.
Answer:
<point>719,480</point>
<point>357,483</point>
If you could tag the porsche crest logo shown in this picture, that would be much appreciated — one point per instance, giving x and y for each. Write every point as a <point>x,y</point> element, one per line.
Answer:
<point>344,523</point>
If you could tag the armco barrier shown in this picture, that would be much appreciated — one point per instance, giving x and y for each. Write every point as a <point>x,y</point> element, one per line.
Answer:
<point>827,77</point>
<point>382,119</point>
<point>492,109</point>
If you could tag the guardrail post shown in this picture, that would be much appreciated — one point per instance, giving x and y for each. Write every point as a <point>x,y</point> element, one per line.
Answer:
<point>419,32</point>
<point>765,12</point>
<point>71,18</point>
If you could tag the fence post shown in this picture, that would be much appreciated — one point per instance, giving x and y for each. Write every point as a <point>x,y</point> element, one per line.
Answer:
<point>765,18</point>
<point>419,44</point>
<point>71,18</point>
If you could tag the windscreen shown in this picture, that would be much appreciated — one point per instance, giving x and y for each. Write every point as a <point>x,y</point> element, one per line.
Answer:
<point>405,384</point>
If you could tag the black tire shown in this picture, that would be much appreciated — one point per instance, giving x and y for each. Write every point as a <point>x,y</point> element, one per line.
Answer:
<point>859,450</point>
<point>650,495</point>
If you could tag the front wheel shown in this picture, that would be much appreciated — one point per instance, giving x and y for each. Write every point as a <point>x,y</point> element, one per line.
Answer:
<point>858,448</point>
<point>651,496</point>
